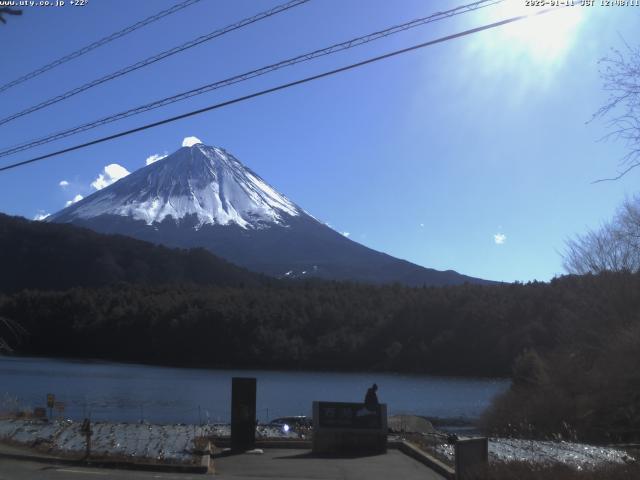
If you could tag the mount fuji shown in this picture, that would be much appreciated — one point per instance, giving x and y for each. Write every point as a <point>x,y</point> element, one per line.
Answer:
<point>202,196</point>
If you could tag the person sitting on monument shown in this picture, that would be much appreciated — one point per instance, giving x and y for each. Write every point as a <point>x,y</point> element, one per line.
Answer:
<point>371,398</point>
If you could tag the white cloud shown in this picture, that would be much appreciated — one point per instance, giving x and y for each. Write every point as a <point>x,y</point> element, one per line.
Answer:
<point>190,141</point>
<point>76,199</point>
<point>112,173</point>
<point>41,215</point>
<point>154,158</point>
<point>422,225</point>
<point>499,238</point>
<point>346,234</point>
<point>63,183</point>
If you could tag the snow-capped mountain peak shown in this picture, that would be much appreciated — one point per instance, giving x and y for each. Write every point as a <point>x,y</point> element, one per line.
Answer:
<point>203,197</point>
<point>198,181</point>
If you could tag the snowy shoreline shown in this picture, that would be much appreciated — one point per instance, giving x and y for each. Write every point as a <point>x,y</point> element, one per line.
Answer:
<point>133,441</point>
<point>541,452</point>
<point>175,443</point>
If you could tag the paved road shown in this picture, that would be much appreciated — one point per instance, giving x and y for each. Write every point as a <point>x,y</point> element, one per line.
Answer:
<point>22,470</point>
<point>274,463</point>
<point>302,465</point>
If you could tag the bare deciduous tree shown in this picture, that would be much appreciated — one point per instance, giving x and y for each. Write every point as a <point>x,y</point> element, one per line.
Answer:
<point>620,73</point>
<point>615,246</point>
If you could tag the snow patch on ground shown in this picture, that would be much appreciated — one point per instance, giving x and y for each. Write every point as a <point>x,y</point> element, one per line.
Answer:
<point>577,455</point>
<point>175,443</point>
<point>134,441</point>
<point>164,443</point>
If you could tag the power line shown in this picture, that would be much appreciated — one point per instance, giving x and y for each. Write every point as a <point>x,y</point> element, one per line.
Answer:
<point>99,43</point>
<point>156,58</point>
<point>354,42</point>
<point>279,87</point>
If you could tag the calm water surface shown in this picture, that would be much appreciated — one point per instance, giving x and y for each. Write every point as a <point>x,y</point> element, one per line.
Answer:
<point>127,392</point>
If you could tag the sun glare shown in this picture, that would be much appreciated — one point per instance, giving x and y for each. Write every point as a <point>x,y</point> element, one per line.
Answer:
<point>544,38</point>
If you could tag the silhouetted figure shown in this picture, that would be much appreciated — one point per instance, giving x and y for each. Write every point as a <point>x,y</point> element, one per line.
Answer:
<point>8,11</point>
<point>371,398</point>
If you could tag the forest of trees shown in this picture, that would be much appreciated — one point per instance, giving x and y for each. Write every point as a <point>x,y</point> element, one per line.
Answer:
<point>572,345</point>
<point>587,386</point>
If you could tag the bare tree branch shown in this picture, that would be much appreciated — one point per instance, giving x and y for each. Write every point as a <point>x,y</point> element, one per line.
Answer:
<point>620,72</point>
<point>615,246</point>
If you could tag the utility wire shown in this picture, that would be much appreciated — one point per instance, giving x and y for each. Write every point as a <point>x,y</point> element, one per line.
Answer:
<point>252,74</point>
<point>279,87</point>
<point>99,43</point>
<point>156,58</point>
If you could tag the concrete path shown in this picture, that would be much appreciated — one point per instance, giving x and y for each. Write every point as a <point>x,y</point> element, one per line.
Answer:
<point>274,463</point>
<point>25,470</point>
<point>302,465</point>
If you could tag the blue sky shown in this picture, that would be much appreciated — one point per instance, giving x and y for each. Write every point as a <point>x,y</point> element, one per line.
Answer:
<point>473,155</point>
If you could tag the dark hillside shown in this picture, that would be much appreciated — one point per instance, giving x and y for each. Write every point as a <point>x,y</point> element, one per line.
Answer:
<point>49,256</point>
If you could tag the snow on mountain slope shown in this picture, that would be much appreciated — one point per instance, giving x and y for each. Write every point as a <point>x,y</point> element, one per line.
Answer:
<point>202,196</point>
<point>197,180</point>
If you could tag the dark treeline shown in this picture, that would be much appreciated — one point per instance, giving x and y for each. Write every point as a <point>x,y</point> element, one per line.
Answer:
<point>297,325</point>
<point>48,256</point>
<point>465,330</point>
<point>587,385</point>
<point>572,346</point>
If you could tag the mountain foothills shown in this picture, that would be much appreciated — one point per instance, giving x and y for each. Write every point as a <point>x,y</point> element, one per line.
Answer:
<point>202,196</point>
<point>37,255</point>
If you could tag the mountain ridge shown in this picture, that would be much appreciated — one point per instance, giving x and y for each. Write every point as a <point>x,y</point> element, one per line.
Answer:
<point>202,196</point>
<point>217,188</point>
<point>50,256</point>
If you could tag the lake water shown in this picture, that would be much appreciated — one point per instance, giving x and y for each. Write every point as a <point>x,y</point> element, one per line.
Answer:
<point>128,392</point>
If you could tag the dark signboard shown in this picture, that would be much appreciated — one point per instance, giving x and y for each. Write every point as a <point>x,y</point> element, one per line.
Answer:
<point>472,457</point>
<point>243,413</point>
<point>348,415</point>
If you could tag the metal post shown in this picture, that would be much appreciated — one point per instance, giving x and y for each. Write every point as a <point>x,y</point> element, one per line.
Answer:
<point>472,458</point>
<point>86,429</point>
